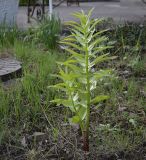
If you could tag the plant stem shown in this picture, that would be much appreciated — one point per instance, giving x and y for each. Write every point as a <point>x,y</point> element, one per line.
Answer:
<point>86,133</point>
<point>85,141</point>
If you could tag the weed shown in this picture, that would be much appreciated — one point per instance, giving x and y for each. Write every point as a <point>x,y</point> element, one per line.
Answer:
<point>49,31</point>
<point>8,35</point>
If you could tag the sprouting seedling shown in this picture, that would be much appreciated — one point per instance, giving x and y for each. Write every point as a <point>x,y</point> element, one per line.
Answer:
<point>78,77</point>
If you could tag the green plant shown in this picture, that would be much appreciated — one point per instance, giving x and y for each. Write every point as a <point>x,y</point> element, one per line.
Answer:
<point>49,31</point>
<point>137,63</point>
<point>8,34</point>
<point>78,74</point>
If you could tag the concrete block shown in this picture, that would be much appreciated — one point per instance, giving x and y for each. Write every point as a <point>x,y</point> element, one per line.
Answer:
<point>8,11</point>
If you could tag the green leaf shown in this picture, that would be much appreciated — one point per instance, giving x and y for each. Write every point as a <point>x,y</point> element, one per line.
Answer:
<point>99,99</point>
<point>73,45</point>
<point>99,59</point>
<point>66,103</point>
<point>75,119</point>
<point>79,37</point>
<point>69,61</point>
<point>75,68</point>
<point>68,39</point>
<point>101,49</point>
<point>68,76</point>
<point>98,33</point>
<point>60,86</point>
<point>100,74</point>
<point>71,22</point>
<point>82,112</point>
<point>97,42</point>
<point>76,55</point>
<point>95,22</point>
<point>93,83</point>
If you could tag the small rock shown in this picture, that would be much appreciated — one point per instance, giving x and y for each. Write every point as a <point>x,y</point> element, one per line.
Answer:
<point>39,136</point>
<point>121,109</point>
<point>23,142</point>
<point>126,72</point>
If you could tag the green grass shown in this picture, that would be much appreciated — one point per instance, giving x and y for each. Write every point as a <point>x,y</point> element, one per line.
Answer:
<point>31,91</point>
<point>8,35</point>
<point>48,32</point>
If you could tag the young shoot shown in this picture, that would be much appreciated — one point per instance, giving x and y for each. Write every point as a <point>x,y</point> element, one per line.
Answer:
<point>78,74</point>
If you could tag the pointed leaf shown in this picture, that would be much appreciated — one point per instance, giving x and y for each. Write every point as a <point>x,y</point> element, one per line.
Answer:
<point>75,119</point>
<point>82,112</point>
<point>100,59</point>
<point>65,103</point>
<point>99,99</point>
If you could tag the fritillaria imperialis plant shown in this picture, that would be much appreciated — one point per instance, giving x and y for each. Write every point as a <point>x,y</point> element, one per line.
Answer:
<point>78,74</point>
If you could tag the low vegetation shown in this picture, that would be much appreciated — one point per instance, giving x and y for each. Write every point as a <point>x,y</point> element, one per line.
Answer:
<point>34,127</point>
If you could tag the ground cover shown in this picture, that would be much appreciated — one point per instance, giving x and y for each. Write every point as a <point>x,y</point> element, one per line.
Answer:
<point>33,128</point>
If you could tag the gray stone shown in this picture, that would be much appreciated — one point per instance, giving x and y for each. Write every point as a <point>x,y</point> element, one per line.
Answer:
<point>9,67</point>
<point>39,136</point>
